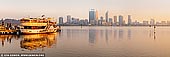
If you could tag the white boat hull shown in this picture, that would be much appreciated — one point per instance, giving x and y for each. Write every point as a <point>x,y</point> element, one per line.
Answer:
<point>37,31</point>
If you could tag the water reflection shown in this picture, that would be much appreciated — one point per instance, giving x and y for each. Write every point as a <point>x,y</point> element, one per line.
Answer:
<point>94,42</point>
<point>115,33</point>
<point>129,33</point>
<point>68,33</point>
<point>37,41</point>
<point>92,36</point>
<point>152,33</point>
<point>106,35</point>
<point>101,33</point>
<point>7,38</point>
<point>120,33</point>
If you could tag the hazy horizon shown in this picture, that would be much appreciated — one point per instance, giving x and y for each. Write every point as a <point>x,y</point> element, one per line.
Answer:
<point>139,9</point>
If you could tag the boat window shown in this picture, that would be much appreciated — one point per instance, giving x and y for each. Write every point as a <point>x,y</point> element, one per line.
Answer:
<point>34,27</point>
<point>27,27</point>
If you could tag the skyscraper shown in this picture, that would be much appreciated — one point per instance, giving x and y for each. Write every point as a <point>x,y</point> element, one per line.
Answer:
<point>100,22</point>
<point>120,20</point>
<point>60,20</point>
<point>69,19</point>
<point>107,16</point>
<point>97,17</point>
<point>115,19</point>
<point>93,15</point>
<point>111,21</point>
<point>129,20</point>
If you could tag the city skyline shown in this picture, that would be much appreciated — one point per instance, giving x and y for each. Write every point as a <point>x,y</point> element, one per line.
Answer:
<point>140,10</point>
<point>115,21</point>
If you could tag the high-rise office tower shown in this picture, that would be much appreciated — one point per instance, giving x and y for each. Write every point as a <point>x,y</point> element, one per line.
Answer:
<point>93,15</point>
<point>60,20</point>
<point>69,19</point>
<point>115,19</point>
<point>129,20</point>
<point>110,21</point>
<point>97,15</point>
<point>100,21</point>
<point>120,20</point>
<point>107,16</point>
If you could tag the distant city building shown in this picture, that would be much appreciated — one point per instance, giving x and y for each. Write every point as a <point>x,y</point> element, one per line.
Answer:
<point>82,22</point>
<point>12,21</point>
<point>110,21</point>
<point>152,22</point>
<point>97,15</point>
<point>168,22</point>
<point>75,21</point>
<point>124,22</point>
<point>129,20</point>
<point>120,20</point>
<point>68,19</point>
<point>72,20</point>
<point>107,16</point>
<point>99,22</point>
<point>115,19</point>
<point>158,23</point>
<point>86,22</point>
<point>93,16</point>
<point>163,23</point>
<point>145,23</point>
<point>136,23</point>
<point>60,20</point>
<point>104,22</point>
<point>101,18</point>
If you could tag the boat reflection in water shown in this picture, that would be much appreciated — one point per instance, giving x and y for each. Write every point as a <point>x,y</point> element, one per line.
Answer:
<point>38,41</point>
<point>8,38</point>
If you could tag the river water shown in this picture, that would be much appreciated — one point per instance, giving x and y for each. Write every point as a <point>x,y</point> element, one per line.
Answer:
<point>93,41</point>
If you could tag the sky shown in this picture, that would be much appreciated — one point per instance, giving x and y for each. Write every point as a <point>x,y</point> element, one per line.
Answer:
<point>139,9</point>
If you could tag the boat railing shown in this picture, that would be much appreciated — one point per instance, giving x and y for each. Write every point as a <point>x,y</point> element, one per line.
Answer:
<point>33,21</point>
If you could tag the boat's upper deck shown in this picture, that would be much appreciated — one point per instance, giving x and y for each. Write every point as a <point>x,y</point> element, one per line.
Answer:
<point>36,21</point>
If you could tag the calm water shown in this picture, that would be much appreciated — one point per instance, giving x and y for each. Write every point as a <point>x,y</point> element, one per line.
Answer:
<point>93,42</point>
